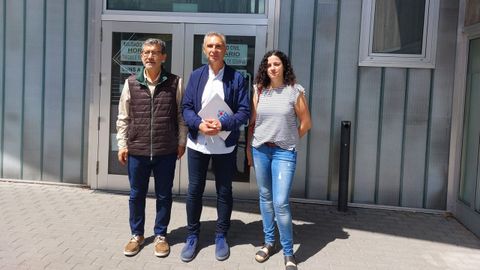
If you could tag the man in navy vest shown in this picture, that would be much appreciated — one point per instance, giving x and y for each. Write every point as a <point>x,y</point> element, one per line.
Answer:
<point>151,136</point>
<point>205,144</point>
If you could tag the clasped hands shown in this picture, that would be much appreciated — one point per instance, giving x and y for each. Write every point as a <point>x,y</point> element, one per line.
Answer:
<point>210,127</point>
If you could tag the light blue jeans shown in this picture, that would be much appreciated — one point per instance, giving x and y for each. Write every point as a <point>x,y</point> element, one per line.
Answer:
<point>274,169</point>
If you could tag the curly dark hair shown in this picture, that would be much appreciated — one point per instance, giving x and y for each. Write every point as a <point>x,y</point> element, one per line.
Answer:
<point>262,79</point>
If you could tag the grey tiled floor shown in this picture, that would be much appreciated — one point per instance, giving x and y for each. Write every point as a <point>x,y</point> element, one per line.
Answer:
<point>61,227</point>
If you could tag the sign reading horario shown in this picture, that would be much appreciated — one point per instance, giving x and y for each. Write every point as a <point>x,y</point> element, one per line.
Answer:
<point>236,55</point>
<point>131,50</point>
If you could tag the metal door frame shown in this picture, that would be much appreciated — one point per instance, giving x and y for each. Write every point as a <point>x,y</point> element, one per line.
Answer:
<point>240,189</point>
<point>465,214</point>
<point>120,182</point>
<point>182,63</point>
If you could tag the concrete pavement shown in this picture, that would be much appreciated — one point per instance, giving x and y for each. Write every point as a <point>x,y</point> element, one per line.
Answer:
<point>63,227</point>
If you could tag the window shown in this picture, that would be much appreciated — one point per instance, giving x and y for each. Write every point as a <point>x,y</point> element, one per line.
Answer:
<point>206,6</point>
<point>399,33</point>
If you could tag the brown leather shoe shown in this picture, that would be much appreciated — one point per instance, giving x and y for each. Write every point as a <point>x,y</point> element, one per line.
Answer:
<point>133,246</point>
<point>162,248</point>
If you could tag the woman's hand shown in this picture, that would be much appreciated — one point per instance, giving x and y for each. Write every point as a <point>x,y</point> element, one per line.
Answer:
<point>301,109</point>
<point>249,156</point>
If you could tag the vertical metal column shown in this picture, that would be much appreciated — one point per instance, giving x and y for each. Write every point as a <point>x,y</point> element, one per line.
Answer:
<point>344,166</point>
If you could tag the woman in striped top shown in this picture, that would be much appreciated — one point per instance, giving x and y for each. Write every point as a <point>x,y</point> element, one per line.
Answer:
<point>279,118</point>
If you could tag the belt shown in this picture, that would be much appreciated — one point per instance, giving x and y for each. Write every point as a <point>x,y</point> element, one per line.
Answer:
<point>270,144</point>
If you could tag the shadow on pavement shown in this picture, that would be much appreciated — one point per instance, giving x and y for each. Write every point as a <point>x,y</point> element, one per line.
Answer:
<point>310,236</point>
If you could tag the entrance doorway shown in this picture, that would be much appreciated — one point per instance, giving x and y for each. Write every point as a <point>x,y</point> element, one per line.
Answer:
<point>121,45</point>
<point>468,203</point>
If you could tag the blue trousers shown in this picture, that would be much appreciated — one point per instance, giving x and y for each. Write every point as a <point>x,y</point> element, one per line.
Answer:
<point>139,170</point>
<point>224,169</point>
<point>274,170</point>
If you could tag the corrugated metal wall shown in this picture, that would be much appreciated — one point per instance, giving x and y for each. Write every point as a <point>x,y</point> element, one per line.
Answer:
<point>42,89</point>
<point>400,116</point>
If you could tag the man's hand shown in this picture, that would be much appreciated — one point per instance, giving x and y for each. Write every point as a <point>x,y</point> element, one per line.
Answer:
<point>210,127</point>
<point>122,156</point>
<point>180,151</point>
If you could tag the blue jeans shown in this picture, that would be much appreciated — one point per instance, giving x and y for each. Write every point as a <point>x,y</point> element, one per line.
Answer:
<point>274,169</point>
<point>139,170</point>
<point>224,169</point>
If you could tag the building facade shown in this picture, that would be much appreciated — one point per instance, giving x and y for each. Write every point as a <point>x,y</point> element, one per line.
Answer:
<point>406,81</point>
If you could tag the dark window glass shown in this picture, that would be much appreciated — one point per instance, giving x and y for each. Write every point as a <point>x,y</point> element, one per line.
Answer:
<point>206,6</point>
<point>398,26</point>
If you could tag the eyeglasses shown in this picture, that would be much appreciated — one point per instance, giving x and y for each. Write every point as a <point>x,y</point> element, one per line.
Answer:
<point>153,53</point>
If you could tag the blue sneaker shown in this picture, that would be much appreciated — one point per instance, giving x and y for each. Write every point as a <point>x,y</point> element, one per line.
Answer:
<point>190,249</point>
<point>222,251</point>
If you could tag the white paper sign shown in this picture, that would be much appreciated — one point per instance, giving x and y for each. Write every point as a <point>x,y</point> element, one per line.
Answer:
<point>130,50</point>
<point>130,69</point>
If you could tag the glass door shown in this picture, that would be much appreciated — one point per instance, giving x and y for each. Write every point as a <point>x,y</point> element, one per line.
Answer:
<point>121,46</point>
<point>246,45</point>
<point>468,206</point>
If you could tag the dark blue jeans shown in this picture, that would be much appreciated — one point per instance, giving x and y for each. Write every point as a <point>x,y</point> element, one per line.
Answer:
<point>139,170</point>
<point>224,169</point>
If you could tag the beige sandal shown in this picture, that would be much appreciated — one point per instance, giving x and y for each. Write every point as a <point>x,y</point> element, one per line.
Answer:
<point>264,253</point>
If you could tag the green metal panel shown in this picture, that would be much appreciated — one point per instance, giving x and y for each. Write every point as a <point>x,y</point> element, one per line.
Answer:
<point>366,134</point>
<point>34,48</point>
<point>3,20</point>
<point>42,91</point>
<point>391,137</point>
<point>441,109</point>
<point>400,117</point>
<point>346,68</point>
<point>74,85</point>
<point>14,81</point>
<point>54,91</point>
<point>301,54</point>
<point>284,27</point>
<point>321,98</point>
<point>415,136</point>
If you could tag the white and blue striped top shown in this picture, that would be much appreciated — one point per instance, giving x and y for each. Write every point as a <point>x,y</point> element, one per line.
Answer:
<point>276,120</point>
